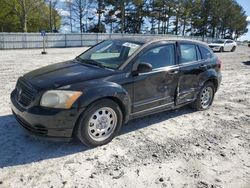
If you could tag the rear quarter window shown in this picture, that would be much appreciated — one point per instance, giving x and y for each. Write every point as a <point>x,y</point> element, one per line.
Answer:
<point>206,53</point>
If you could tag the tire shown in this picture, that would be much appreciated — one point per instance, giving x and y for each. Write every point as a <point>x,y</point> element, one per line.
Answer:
<point>100,123</point>
<point>221,49</point>
<point>233,49</point>
<point>205,97</point>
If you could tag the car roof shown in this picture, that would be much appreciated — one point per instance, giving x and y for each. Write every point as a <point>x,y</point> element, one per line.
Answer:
<point>147,40</point>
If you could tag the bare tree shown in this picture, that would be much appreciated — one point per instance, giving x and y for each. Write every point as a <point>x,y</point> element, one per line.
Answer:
<point>79,11</point>
<point>70,16</point>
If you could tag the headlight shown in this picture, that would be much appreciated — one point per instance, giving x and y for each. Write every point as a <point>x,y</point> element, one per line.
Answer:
<point>59,98</point>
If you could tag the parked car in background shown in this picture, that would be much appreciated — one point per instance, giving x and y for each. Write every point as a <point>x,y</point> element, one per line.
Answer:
<point>93,95</point>
<point>223,45</point>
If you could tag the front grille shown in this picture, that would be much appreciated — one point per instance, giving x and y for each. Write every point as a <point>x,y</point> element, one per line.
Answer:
<point>25,93</point>
<point>38,129</point>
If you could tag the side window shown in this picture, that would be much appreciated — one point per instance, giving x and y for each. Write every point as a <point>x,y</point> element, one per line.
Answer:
<point>160,56</point>
<point>188,53</point>
<point>206,54</point>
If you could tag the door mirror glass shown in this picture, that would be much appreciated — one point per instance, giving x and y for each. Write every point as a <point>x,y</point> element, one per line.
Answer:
<point>144,67</point>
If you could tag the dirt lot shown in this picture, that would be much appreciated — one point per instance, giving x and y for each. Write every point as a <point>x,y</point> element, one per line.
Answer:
<point>181,148</point>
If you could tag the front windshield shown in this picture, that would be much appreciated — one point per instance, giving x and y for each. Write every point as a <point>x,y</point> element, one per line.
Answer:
<point>219,42</point>
<point>110,54</point>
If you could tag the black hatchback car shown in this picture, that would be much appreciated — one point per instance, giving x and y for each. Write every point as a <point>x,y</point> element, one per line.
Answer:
<point>93,95</point>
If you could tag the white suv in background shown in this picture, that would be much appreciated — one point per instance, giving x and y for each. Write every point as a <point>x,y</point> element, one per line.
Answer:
<point>223,45</point>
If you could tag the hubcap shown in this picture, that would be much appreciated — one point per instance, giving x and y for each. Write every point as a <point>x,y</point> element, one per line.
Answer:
<point>102,124</point>
<point>206,97</point>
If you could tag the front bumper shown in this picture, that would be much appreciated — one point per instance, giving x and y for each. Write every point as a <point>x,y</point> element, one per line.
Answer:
<point>55,124</point>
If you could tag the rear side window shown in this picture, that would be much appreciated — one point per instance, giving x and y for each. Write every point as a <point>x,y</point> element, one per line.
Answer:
<point>188,53</point>
<point>206,54</point>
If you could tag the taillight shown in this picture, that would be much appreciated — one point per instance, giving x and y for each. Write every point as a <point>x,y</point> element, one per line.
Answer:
<point>219,63</point>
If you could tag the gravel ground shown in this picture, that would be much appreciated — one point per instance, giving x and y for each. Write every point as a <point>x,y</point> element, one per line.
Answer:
<point>181,148</point>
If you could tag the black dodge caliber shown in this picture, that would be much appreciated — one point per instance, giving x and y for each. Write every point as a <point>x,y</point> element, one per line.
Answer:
<point>93,95</point>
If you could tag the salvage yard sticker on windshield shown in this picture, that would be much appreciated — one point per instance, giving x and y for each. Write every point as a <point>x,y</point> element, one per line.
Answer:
<point>130,45</point>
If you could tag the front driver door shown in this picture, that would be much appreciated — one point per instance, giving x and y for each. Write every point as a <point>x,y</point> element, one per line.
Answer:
<point>156,89</point>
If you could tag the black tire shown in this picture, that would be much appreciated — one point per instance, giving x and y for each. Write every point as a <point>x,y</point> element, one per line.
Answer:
<point>82,131</point>
<point>198,104</point>
<point>221,49</point>
<point>233,49</point>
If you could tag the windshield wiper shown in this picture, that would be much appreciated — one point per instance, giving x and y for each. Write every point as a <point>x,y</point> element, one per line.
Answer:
<point>79,59</point>
<point>93,62</point>
<point>90,61</point>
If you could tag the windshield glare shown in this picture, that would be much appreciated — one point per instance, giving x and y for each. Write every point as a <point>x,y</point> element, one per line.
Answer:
<point>110,54</point>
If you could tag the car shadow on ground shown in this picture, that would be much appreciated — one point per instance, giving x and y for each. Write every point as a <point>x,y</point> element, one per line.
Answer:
<point>218,52</point>
<point>246,62</point>
<point>17,147</point>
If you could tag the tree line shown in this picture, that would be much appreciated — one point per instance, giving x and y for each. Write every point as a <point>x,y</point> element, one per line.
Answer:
<point>211,18</point>
<point>207,18</point>
<point>29,16</point>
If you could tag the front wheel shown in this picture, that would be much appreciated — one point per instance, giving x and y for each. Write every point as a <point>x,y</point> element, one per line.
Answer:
<point>205,97</point>
<point>100,123</point>
<point>221,49</point>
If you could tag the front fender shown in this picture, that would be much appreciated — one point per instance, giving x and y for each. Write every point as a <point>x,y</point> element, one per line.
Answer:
<point>96,90</point>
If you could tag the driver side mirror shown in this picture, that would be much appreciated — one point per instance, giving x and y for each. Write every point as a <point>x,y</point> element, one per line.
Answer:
<point>143,68</point>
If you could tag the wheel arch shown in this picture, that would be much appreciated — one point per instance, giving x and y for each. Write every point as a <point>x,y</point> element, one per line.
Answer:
<point>122,106</point>
<point>214,81</point>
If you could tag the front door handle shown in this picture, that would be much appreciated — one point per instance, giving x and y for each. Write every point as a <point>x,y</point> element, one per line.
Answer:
<point>174,72</point>
<point>203,66</point>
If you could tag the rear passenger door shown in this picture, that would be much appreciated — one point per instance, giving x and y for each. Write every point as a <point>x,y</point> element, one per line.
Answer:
<point>191,67</point>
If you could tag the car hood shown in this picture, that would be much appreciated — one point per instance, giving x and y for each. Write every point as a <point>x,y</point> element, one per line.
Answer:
<point>65,73</point>
<point>215,44</point>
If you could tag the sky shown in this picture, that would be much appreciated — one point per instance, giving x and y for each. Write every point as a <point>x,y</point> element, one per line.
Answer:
<point>246,6</point>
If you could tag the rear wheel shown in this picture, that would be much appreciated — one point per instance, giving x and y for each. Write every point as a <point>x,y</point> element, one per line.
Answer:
<point>100,123</point>
<point>233,49</point>
<point>221,49</point>
<point>205,97</point>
